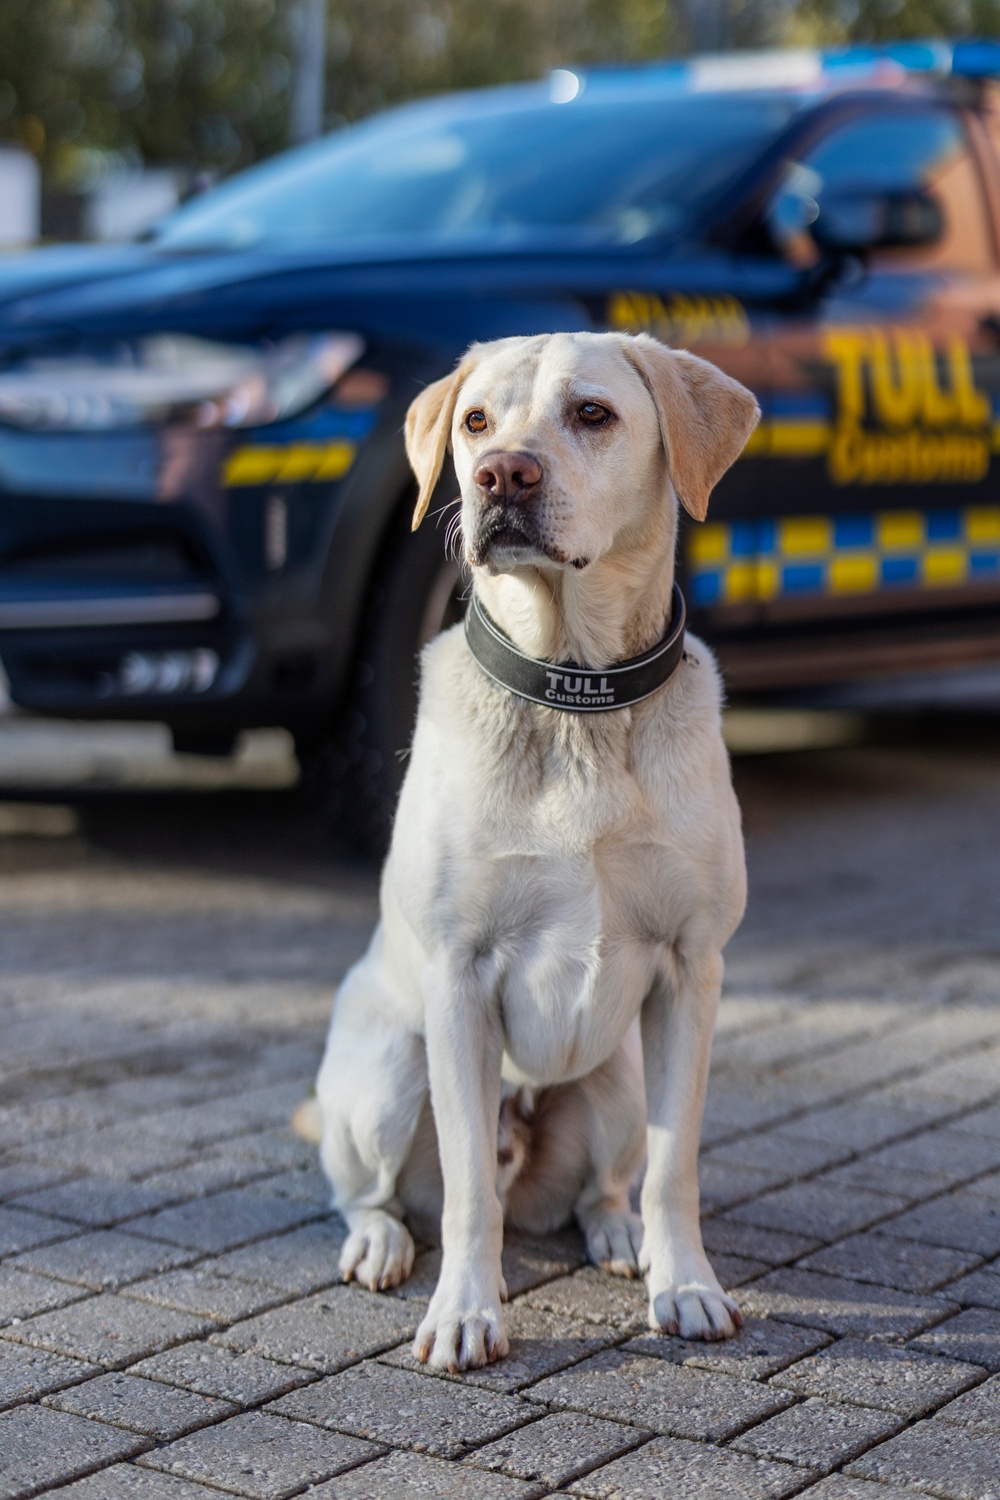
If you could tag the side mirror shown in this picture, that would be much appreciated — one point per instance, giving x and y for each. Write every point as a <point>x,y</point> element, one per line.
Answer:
<point>852,220</point>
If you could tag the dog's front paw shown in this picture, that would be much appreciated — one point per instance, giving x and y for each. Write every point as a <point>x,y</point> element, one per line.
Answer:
<point>463,1329</point>
<point>696,1309</point>
<point>614,1241</point>
<point>378,1252</point>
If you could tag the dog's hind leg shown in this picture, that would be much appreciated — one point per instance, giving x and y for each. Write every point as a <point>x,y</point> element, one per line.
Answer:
<point>371,1089</point>
<point>616,1112</point>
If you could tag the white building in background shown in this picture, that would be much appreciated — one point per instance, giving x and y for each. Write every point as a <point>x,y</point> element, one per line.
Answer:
<point>127,203</point>
<point>20,198</point>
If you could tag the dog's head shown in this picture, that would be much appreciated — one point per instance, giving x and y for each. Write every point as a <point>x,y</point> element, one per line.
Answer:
<point>571,446</point>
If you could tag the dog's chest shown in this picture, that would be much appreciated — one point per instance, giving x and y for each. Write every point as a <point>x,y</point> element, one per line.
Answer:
<point>575,945</point>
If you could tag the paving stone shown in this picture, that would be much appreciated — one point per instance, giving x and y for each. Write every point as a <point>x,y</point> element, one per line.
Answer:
<point>223,1298</point>
<point>21,1229</point>
<point>212,1172</point>
<point>775,1248</point>
<point>669,1469</point>
<point>976,1408</point>
<point>761,1348</point>
<point>962,1220</point>
<point>22,1295</point>
<point>885,1260</point>
<point>985,1187</point>
<point>664,1397</point>
<point>864,1124</point>
<point>244,1379</point>
<point>119,1150</point>
<point>107,1330</point>
<point>817,1208</point>
<point>540,1344</point>
<point>528,1262</point>
<point>866,1174</point>
<point>419,1475</point>
<point>128,1482</point>
<point>736,1270</point>
<point>407,1410</point>
<point>844,1487</point>
<point>794,1155</point>
<point>160,1411</point>
<point>728,1113</point>
<point>985,1121</point>
<point>592,1296</point>
<point>956,1154</point>
<point>18,1177</point>
<point>956,1463</point>
<point>980,1289</point>
<point>723,1184</point>
<point>131,1482</point>
<point>107,1258</point>
<point>818,1435</point>
<point>974,1336</point>
<point>222,1221</point>
<point>303,1261</point>
<point>869,1373</point>
<point>557,1449</point>
<point>839,1306</point>
<point>99,1202</point>
<point>298,1185</point>
<point>261,1456</point>
<point>41,1448</point>
<point>26,1374</point>
<point>326,1331</point>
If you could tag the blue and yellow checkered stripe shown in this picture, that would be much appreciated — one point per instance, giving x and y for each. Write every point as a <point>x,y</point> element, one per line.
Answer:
<point>739,562</point>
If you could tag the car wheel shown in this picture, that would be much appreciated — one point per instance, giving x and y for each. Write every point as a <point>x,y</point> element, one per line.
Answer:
<point>356,773</point>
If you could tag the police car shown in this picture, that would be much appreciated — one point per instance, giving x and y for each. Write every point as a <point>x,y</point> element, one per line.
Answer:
<point>204,491</point>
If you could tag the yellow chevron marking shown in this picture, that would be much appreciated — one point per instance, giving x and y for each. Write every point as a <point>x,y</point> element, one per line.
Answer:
<point>944,565</point>
<point>856,573</point>
<point>805,536</point>
<point>292,463</point>
<point>900,530</point>
<point>982,524</point>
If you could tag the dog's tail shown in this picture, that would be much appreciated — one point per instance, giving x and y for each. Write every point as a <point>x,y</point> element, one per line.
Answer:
<point>307,1121</point>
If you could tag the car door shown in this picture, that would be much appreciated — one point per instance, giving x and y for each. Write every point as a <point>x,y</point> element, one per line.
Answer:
<point>878,432</point>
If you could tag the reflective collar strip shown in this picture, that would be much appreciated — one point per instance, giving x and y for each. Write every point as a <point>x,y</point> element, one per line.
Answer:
<point>565,685</point>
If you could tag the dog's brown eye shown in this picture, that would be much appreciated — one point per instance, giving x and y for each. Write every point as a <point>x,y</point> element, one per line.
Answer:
<point>593,414</point>
<point>475,421</point>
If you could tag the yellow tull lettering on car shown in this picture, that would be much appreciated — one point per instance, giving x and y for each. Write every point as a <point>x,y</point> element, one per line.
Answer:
<point>904,416</point>
<point>679,319</point>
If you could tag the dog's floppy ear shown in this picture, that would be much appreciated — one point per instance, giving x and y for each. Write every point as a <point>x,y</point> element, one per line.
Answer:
<point>428,429</point>
<point>705,417</point>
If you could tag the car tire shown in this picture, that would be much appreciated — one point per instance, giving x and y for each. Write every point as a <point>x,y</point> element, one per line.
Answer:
<point>355,774</point>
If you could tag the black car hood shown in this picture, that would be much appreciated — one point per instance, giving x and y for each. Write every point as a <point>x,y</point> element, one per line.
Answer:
<point>96,292</point>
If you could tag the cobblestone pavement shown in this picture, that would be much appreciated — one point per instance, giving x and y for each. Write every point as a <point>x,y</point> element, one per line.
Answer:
<point>171,1325</point>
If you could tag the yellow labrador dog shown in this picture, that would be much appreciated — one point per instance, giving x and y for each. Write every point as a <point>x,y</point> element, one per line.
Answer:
<point>533,1018</point>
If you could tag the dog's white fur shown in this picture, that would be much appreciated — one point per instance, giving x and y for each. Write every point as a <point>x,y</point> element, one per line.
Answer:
<point>534,1015</point>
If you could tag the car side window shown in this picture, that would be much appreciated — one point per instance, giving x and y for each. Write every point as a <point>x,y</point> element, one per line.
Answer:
<point>913,152</point>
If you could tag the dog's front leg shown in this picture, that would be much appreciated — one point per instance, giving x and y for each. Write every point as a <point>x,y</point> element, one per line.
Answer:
<point>678,1019</point>
<point>464,1323</point>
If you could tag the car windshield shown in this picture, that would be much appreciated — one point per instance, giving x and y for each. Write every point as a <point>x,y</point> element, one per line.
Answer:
<point>503,169</point>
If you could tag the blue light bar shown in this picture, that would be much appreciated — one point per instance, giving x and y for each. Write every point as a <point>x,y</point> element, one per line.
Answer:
<point>976,59</point>
<point>792,67</point>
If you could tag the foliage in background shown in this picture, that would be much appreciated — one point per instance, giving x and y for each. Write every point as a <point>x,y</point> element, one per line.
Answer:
<point>207,83</point>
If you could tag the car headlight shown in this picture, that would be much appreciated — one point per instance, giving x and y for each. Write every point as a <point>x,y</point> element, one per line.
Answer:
<point>177,379</point>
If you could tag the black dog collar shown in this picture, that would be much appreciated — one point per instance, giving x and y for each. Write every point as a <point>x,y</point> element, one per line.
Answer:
<point>564,685</point>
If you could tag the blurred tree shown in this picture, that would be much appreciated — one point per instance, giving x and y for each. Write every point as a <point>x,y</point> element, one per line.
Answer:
<point>201,82</point>
<point>207,83</point>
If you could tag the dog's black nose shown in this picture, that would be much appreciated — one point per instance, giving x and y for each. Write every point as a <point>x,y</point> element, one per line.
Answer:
<point>508,476</point>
